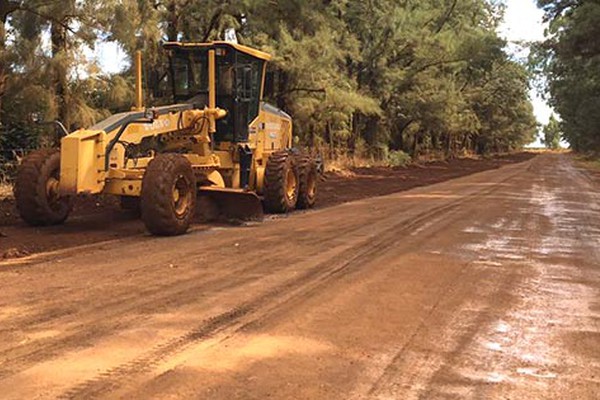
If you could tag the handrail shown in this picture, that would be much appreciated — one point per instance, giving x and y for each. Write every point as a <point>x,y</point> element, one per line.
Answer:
<point>135,118</point>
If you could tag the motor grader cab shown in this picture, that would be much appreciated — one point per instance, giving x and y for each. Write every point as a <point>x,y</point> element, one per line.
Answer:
<point>218,139</point>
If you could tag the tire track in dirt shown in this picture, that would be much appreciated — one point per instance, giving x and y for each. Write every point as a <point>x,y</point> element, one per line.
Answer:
<point>179,292</point>
<point>459,331</point>
<point>255,309</point>
<point>183,290</point>
<point>318,276</point>
<point>415,372</point>
<point>410,368</point>
<point>149,280</point>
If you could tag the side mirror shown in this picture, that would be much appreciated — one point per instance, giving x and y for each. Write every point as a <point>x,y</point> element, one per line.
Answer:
<point>36,118</point>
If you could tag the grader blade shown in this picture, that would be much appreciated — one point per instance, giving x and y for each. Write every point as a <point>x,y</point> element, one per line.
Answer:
<point>235,204</point>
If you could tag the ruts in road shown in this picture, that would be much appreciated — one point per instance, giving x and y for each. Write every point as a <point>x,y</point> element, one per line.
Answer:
<point>481,287</point>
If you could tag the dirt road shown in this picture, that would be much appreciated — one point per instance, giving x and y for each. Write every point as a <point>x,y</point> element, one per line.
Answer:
<point>97,219</point>
<point>485,286</point>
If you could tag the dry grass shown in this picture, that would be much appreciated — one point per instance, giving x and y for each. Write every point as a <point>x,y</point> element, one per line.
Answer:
<point>6,191</point>
<point>344,164</point>
<point>588,162</point>
<point>542,150</point>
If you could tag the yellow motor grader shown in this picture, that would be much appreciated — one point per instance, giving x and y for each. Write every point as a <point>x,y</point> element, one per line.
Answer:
<point>218,139</point>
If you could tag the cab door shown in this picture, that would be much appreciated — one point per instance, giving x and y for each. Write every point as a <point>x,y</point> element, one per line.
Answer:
<point>248,80</point>
<point>239,80</point>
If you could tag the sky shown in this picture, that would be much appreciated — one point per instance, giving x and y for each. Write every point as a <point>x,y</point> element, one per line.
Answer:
<point>522,23</point>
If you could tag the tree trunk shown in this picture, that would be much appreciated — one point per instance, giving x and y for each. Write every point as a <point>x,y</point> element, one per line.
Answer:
<point>330,139</point>
<point>415,152</point>
<point>399,142</point>
<point>3,71</point>
<point>355,129</point>
<point>172,22</point>
<point>370,130</point>
<point>58,38</point>
<point>6,8</point>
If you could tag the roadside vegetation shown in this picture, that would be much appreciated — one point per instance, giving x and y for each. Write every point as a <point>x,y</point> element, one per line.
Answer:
<point>552,134</point>
<point>5,190</point>
<point>378,80</point>
<point>568,62</point>
<point>591,162</point>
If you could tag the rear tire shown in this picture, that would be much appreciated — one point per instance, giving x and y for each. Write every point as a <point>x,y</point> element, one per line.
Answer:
<point>168,199</point>
<point>281,183</point>
<point>37,190</point>
<point>307,172</point>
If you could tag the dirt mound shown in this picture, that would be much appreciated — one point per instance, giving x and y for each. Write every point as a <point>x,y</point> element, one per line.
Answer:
<point>99,218</point>
<point>361,183</point>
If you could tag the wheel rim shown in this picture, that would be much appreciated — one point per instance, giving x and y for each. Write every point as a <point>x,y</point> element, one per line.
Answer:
<point>182,196</point>
<point>291,185</point>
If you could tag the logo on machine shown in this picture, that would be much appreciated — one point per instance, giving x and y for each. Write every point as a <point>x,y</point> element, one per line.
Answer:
<point>158,125</point>
<point>273,126</point>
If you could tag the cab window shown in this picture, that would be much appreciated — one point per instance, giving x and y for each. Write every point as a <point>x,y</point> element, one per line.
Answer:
<point>190,74</point>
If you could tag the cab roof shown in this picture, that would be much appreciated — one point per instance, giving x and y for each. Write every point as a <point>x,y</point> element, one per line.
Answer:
<point>241,48</point>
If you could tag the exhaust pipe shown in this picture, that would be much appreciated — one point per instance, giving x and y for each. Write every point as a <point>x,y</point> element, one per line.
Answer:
<point>139,91</point>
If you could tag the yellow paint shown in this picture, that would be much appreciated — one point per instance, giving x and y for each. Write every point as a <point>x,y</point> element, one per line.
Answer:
<point>82,162</point>
<point>187,132</point>
<point>123,187</point>
<point>216,179</point>
<point>271,133</point>
<point>244,49</point>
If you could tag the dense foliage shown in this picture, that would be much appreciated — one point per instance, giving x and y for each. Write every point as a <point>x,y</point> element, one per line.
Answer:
<point>569,62</point>
<point>366,78</point>
<point>552,134</point>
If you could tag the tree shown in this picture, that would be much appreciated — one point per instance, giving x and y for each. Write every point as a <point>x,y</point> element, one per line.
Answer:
<point>433,64</point>
<point>7,7</point>
<point>360,78</point>
<point>46,68</point>
<point>569,63</point>
<point>552,134</point>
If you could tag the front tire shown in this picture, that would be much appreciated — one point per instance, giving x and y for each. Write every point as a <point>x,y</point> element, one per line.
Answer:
<point>37,190</point>
<point>168,198</point>
<point>281,183</point>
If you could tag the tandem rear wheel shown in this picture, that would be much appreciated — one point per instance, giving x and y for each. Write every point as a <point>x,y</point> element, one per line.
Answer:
<point>290,182</point>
